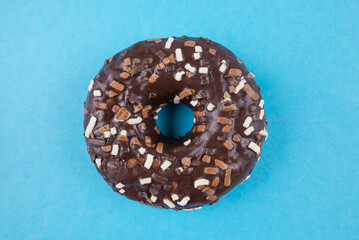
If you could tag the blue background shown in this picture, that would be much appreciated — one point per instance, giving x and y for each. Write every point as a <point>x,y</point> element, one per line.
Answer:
<point>304,55</point>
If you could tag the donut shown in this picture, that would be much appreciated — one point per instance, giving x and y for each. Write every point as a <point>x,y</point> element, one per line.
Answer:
<point>188,172</point>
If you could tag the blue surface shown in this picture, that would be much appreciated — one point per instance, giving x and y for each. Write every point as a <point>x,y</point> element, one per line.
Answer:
<point>305,58</point>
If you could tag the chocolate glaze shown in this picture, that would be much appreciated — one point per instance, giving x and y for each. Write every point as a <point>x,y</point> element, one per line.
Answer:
<point>142,88</point>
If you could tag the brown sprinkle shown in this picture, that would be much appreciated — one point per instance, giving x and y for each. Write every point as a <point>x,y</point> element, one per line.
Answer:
<point>132,162</point>
<point>166,60</point>
<point>185,93</point>
<point>145,111</point>
<point>135,141</point>
<point>115,108</point>
<point>157,130</point>
<point>148,141</point>
<point>235,72</point>
<point>259,137</point>
<point>158,40</point>
<point>211,170</point>
<point>239,61</point>
<point>156,163</point>
<point>153,78</point>
<point>92,135</point>
<point>111,93</point>
<point>232,89</point>
<point>186,161</point>
<point>122,138</point>
<point>142,159</point>
<point>208,190</point>
<point>250,92</point>
<point>206,159</point>
<point>190,43</point>
<point>159,147</point>
<point>228,108</point>
<point>127,61</point>
<point>200,187</point>
<point>211,198</point>
<point>86,111</point>
<point>122,114</point>
<point>102,129</point>
<point>172,58</point>
<point>228,145</point>
<point>215,182</point>
<point>125,75</point>
<point>118,86</point>
<point>212,51</point>
<point>188,74</point>
<point>100,105</point>
<point>236,138</point>
<point>106,148</point>
<point>138,108</point>
<point>224,120</point>
<point>88,149</point>
<point>143,126</point>
<point>201,128</point>
<point>160,66</point>
<point>220,164</point>
<point>226,129</point>
<point>199,114</point>
<point>227,178</point>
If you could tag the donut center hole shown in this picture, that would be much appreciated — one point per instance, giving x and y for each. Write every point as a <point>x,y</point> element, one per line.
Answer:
<point>175,120</point>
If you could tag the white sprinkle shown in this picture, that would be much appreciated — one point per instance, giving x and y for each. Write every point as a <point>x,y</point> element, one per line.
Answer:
<point>203,70</point>
<point>142,150</point>
<point>201,182</point>
<point>113,131</point>
<point>144,181</point>
<point>169,42</point>
<point>123,133</point>
<point>120,185</point>
<point>184,201</point>
<point>180,169</point>
<point>252,75</point>
<point>249,130</point>
<point>107,134</point>
<point>194,120</point>
<point>263,133</point>
<point>226,97</point>
<point>198,208</point>
<point>188,209</point>
<point>240,86</point>
<point>153,199</point>
<point>114,149</point>
<point>133,121</point>
<point>187,142</point>
<point>194,103</point>
<point>254,147</point>
<point>261,103</point>
<point>190,68</point>
<point>210,107</point>
<point>247,122</point>
<point>178,76</point>
<point>165,165</point>
<point>122,191</point>
<point>196,56</point>
<point>174,197</point>
<point>90,126</point>
<point>97,93</point>
<point>247,177</point>
<point>98,162</point>
<point>169,203</point>
<point>149,161</point>
<point>91,85</point>
<point>223,66</point>
<point>155,117</point>
<point>261,114</point>
<point>179,56</point>
<point>176,100</point>
<point>198,48</point>
<point>158,110</point>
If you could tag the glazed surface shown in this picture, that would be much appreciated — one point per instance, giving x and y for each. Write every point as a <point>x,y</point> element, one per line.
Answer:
<point>186,173</point>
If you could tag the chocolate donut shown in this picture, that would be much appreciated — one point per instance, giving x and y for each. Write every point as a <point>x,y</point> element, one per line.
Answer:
<point>142,164</point>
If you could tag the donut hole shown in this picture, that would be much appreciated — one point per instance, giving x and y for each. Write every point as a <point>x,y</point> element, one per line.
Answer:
<point>175,120</point>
